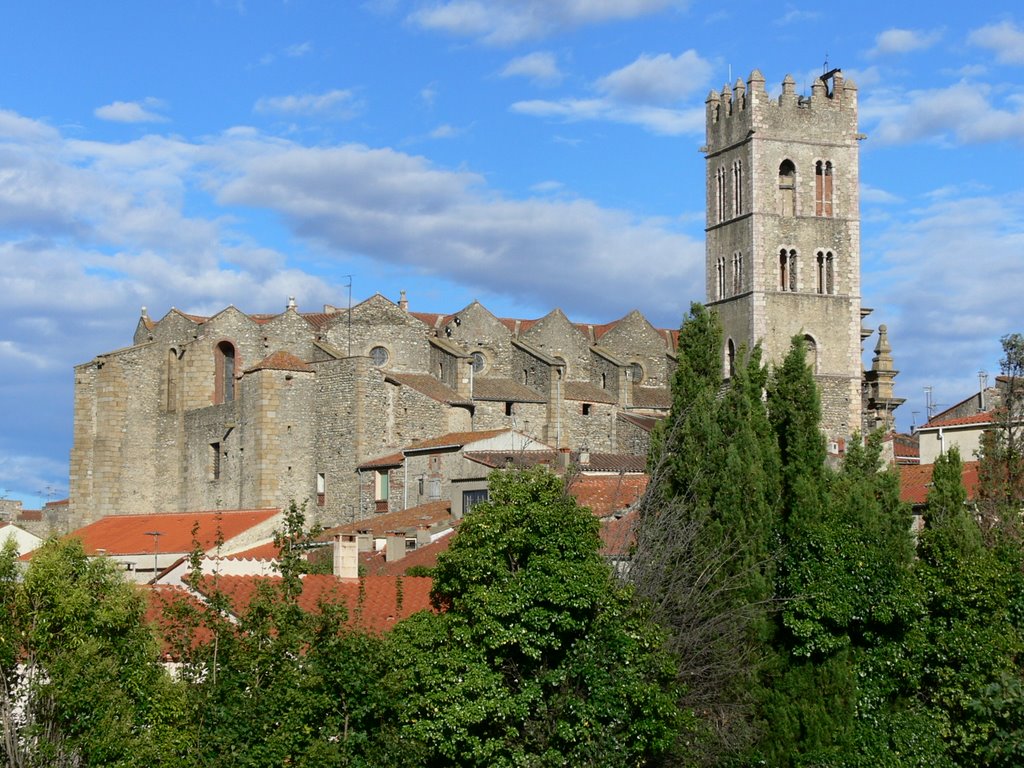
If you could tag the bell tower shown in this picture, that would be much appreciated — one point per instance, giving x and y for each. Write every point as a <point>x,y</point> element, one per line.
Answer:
<point>783,230</point>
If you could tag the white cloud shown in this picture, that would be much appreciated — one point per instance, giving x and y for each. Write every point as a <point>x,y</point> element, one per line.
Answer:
<point>131,111</point>
<point>340,104</point>
<point>503,22</point>
<point>299,50</point>
<point>660,79</point>
<point>645,92</point>
<point>794,15</point>
<point>1005,40</point>
<point>962,113</point>
<point>898,41</point>
<point>540,66</point>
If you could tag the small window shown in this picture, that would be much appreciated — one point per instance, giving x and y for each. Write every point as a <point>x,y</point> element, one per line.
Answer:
<point>720,278</point>
<point>586,409</point>
<point>433,488</point>
<point>787,188</point>
<point>479,362</point>
<point>380,356</point>
<point>737,273</point>
<point>737,187</point>
<point>787,269</point>
<point>215,461</point>
<point>381,485</point>
<point>812,353</point>
<point>720,195</point>
<point>604,381</point>
<point>508,408</point>
<point>471,498</point>
<point>224,375</point>
<point>321,489</point>
<point>730,352</point>
<point>636,372</point>
<point>823,188</point>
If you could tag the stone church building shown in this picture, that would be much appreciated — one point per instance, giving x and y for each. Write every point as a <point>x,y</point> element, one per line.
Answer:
<point>250,411</point>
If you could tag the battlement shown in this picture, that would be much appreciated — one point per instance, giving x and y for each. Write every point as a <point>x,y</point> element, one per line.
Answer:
<point>745,107</point>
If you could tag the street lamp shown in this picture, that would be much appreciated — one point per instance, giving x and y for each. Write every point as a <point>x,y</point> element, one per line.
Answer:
<point>156,549</point>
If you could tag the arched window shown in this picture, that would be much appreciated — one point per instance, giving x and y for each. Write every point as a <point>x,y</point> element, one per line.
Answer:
<point>720,195</point>
<point>787,269</point>
<point>787,188</point>
<point>224,374</point>
<point>479,362</point>
<point>811,347</point>
<point>737,187</point>
<point>737,272</point>
<point>730,358</point>
<point>720,278</point>
<point>819,272</point>
<point>636,372</point>
<point>172,378</point>
<point>823,188</point>
<point>830,273</point>
<point>604,381</point>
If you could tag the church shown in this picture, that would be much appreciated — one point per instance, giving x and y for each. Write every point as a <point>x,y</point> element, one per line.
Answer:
<point>246,411</point>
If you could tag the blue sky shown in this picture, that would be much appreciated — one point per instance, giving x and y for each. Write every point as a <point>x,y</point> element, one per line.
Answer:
<point>527,153</point>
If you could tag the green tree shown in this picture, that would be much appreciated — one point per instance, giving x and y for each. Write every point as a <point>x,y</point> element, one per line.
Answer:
<point>537,658</point>
<point>82,683</point>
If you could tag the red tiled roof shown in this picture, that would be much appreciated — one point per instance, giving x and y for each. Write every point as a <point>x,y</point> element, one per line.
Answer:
<point>266,551</point>
<point>425,556</point>
<point>391,460</point>
<point>617,534</point>
<point>427,385</point>
<point>281,361</point>
<point>916,481</point>
<point>649,397</point>
<point>402,520</point>
<point>374,603</point>
<point>456,439</point>
<point>646,423</point>
<point>985,417</point>
<point>128,534</point>
<point>504,389</point>
<point>586,392</point>
<point>608,494</point>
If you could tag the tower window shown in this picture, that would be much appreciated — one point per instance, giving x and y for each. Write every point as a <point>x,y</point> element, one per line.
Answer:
<point>787,188</point>
<point>825,272</point>
<point>215,461</point>
<point>730,351</point>
<point>224,372</point>
<point>585,409</point>
<point>720,278</point>
<point>737,272</point>
<point>812,353</point>
<point>823,188</point>
<point>787,269</point>
<point>172,378</point>
<point>720,195</point>
<point>737,187</point>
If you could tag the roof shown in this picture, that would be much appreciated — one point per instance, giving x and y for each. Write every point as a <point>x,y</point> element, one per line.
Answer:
<point>650,397</point>
<point>985,417</point>
<point>646,423</point>
<point>402,520</point>
<point>391,460</point>
<point>280,361</point>
<point>916,481</point>
<point>427,385</point>
<point>133,534</point>
<point>425,557</point>
<point>617,533</point>
<point>598,462</point>
<point>587,392</point>
<point>605,495</point>
<point>375,603</point>
<point>455,439</point>
<point>504,389</point>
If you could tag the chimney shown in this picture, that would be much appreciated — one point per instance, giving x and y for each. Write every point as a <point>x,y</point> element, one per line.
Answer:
<point>584,456</point>
<point>395,546</point>
<point>403,303</point>
<point>346,556</point>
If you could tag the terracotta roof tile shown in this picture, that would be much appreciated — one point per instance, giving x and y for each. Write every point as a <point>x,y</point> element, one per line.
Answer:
<point>427,385</point>
<point>425,556</point>
<point>391,460</point>
<point>374,603</point>
<point>985,417</point>
<point>402,520</point>
<point>456,439</point>
<point>617,534</point>
<point>280,361</point>
<point>127,534</point>
<point>607,494</point>
<point>650,397</point>
<point>916,480</point>
<point>646,423</point>
<point>504,389</point>
<point>586,392</point>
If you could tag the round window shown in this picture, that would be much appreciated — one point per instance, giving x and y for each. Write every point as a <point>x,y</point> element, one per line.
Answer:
<point>479,361</point>
<point>636,372</point>
<point>379,355</point>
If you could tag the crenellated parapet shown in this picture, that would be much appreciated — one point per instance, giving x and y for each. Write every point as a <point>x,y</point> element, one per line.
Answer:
<point>737,110</point>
